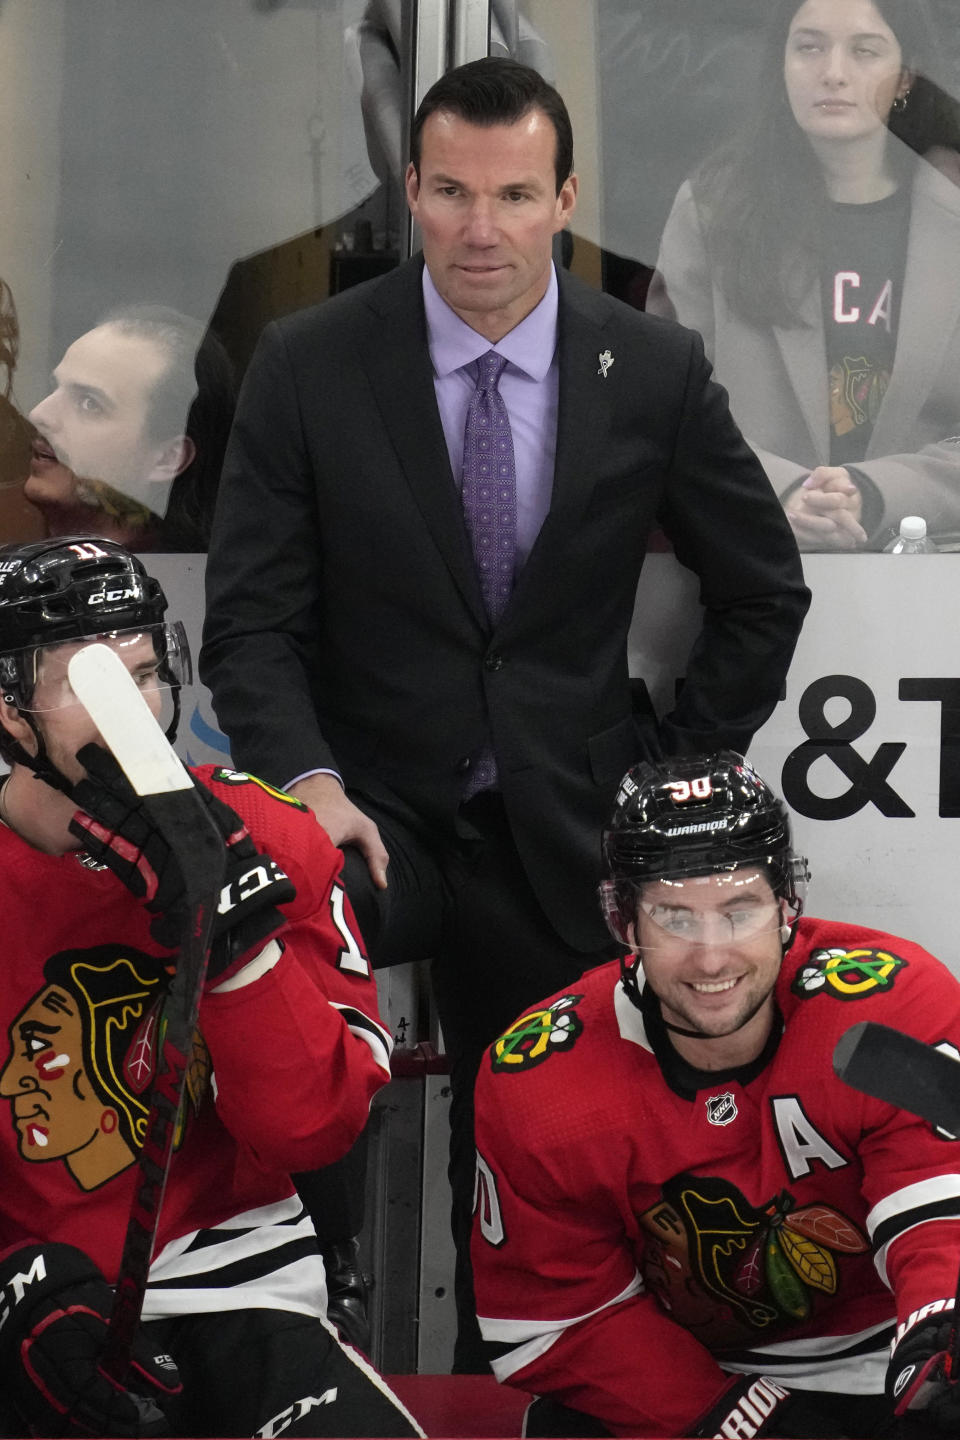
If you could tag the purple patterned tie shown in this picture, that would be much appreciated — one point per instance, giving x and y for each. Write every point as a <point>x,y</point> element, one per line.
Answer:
<point>490,486</point>
<point>490,511</point>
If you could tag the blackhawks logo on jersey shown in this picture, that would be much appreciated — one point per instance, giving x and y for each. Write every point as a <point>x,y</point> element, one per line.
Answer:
<point>726,1270</point>
<point>846,974</point>
<point>240,777</point>
<point>537,1035</point>
<point>82,1054</point>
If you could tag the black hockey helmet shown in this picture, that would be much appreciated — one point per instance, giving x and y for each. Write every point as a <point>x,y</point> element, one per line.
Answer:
<point>77,587</point>
<point>698,815</point>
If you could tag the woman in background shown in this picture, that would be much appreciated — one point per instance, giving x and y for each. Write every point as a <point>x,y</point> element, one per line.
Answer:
<point>818,253</point>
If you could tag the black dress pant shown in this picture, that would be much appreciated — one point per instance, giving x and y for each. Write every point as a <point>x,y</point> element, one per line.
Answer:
<point>270,1372</point>
<point>470,910</point>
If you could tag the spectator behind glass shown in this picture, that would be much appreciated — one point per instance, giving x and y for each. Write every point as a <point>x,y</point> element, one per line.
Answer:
<point>818,253</point>
<point>130,441</point>
<point>18,520</point>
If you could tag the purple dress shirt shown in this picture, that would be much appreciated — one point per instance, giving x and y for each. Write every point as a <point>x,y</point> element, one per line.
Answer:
<point>529,386</point>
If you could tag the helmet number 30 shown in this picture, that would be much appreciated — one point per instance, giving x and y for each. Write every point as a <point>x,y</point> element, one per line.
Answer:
<point>684,790</point>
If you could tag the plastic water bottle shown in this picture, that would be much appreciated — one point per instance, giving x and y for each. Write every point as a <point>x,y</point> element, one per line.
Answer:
<point>913,538</point>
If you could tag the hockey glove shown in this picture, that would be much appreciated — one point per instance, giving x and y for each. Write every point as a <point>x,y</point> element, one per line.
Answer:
<point>756,1405</point>
<point>922,1379</point>
<point>53,1323</point>
<point>116,829</point>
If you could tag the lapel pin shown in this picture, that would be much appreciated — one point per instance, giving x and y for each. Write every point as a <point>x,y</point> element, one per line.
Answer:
<point>606,360</point>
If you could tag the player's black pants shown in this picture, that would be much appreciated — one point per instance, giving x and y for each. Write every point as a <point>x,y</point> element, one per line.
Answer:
<point>266,1373</point>
<point>270,1372</point>
<point>469,909</point>
<point>856,1417</point>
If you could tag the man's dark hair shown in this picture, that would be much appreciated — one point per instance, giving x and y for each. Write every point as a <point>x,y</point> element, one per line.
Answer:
<point>496,91</point>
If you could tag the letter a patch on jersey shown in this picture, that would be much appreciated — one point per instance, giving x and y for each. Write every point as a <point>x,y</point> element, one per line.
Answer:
<point>800,1141</point>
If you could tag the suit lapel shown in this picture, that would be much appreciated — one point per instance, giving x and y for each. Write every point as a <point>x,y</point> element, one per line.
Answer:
<point>584,406</point>
<point>397,360</point>
<point>583,411</point>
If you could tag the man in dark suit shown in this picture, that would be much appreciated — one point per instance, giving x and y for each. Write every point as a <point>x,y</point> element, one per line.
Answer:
<point>354,647</point>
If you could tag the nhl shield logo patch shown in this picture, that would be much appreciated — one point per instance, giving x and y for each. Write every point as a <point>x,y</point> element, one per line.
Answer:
<point>721,1109</point>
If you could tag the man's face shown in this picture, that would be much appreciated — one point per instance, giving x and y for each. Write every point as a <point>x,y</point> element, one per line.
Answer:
<point>487,206</point>
<point>711,949</point>
<point>64,723</point>
<point>94,424</point>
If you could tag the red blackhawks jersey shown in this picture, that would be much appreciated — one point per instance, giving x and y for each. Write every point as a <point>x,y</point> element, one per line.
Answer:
<point>643,1228</point>
<point>283,1071</point>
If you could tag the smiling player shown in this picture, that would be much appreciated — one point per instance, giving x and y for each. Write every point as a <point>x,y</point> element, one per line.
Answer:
<point>686,1225</point>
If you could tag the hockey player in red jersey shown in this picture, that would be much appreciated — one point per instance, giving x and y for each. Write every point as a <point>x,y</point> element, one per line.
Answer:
<point>287,1055</point>
<point>685,1223</point>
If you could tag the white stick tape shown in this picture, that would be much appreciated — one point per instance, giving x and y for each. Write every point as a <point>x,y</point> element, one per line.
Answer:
<point>108,693</point>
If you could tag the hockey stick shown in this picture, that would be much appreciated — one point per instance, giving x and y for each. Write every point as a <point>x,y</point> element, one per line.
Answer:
<point>105,688</point>
<point>901,1070</point>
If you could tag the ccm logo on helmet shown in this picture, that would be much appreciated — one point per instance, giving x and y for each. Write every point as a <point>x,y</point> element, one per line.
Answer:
<point>110,597</point>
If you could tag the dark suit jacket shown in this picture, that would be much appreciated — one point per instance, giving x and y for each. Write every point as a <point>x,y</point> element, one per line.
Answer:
<point>345,626</point>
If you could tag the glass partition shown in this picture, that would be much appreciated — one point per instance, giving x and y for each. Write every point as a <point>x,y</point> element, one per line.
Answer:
<point>174,176</point>
<point>785,178</point>
<point>177,174</point>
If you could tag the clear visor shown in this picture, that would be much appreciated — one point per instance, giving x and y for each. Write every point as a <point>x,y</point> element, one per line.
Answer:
<point>157,656</point>
<point>727,908</point>
<point>723,909</point>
